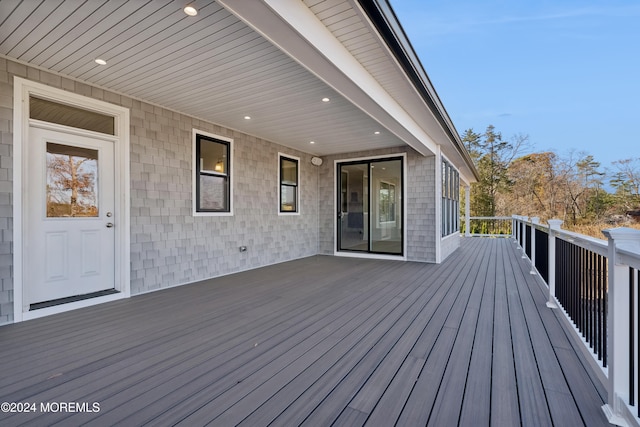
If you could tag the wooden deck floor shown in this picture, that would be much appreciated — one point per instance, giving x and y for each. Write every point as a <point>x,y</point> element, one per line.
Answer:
<point>319,341</point>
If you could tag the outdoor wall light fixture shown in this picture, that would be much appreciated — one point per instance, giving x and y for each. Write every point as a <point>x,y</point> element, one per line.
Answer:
<point>190,10</point>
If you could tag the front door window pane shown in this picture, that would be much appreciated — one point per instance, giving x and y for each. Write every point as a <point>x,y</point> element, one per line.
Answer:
<point>72,181</point>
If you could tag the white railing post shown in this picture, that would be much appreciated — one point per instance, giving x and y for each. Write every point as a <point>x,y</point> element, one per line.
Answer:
<point>618,312</point>
<point>524,236</point>
<point>534,221</point>
<point>514,227</point>
<point>554,225</point>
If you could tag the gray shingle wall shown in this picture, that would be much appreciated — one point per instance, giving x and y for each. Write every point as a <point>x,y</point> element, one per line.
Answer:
<point>6,191</point>
<point>169,246</point>
<point>421,213</point>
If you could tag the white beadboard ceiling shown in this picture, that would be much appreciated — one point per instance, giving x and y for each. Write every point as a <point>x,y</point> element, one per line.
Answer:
<point>217,67</point>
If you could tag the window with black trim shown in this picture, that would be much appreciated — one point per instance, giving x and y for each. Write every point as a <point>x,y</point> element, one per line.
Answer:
<point>213,174</point>
<point>450,199</point>
<point>289,177</point>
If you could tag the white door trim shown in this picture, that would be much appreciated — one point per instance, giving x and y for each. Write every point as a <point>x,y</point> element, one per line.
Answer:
<point>22,89</point>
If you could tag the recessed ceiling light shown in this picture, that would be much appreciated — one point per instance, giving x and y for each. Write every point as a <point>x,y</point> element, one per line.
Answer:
<point>247,117</point>
<point>325,100</point>
<point>101,61</point>
<point>312,142</point>
<point>377,132</point>
<point>190,10</point>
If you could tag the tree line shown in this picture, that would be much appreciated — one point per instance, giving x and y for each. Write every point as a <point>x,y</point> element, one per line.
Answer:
<point>575,187</point>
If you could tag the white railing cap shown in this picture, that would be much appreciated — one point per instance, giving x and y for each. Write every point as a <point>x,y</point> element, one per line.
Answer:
<point>622,233</point>
<point>555,224</point>
<point>627,240</point>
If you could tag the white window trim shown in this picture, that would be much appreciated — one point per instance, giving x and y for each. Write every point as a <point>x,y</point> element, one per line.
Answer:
<point>22,89</point>
<point>298,198</point>
<point>194,192</point>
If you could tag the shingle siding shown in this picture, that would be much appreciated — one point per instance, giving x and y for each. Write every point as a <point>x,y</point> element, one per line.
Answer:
<point>170,246</point>
<point>6,190</point>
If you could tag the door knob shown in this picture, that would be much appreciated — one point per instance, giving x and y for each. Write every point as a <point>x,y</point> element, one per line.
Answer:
<point>109,224</point>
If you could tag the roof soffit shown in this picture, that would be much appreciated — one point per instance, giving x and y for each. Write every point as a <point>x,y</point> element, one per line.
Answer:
<point>296,30</point>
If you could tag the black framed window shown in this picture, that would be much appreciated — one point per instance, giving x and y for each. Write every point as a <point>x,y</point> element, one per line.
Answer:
<point>450,199</point>
<point>289,173</point>
<point>213,174</point>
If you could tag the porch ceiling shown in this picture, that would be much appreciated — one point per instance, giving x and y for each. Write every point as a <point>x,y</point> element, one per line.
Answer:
<point>235,59</point>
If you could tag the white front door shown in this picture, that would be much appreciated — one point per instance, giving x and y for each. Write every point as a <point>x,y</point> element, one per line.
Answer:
<point>70,220</point>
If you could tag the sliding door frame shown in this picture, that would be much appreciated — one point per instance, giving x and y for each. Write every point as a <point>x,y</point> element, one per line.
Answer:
<point>337,207</point>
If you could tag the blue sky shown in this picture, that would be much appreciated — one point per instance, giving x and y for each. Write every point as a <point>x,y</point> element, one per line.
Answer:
<point>566,73</point>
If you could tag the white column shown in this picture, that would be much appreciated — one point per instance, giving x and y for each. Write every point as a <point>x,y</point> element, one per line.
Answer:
<point>467,210</point>
<point>554,225</point>
<point>618,323</point>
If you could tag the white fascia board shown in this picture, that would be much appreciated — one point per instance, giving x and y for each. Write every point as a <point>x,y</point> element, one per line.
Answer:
<point>293,27</point>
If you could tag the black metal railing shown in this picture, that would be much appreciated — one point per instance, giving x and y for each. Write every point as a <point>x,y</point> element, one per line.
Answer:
<point>581,289</point>
<point>601,300</point>
<point>542,254</point>
<point>527,239</point>
<point>488,226</point>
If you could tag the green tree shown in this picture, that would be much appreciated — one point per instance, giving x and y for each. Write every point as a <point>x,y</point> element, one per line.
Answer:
<point>492,156</point>
<point>626,182</point>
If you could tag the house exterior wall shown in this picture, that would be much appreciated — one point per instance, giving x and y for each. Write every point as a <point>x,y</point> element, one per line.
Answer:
<point>421,207</point>
<point>449,244</point>
<point>170,246</point>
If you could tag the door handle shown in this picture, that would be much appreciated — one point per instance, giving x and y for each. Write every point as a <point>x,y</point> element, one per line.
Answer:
<point>110,225</point>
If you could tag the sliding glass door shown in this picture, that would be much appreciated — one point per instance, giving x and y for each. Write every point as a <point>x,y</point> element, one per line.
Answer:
<point>370,206</point>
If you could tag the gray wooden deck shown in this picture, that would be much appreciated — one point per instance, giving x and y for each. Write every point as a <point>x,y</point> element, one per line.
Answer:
<point>319,341</point>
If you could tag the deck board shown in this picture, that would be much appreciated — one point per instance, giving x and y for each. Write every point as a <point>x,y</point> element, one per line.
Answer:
<point>315,341</point>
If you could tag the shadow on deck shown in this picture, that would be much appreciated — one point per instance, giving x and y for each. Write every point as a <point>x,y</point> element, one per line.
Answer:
<point>315,341</point>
